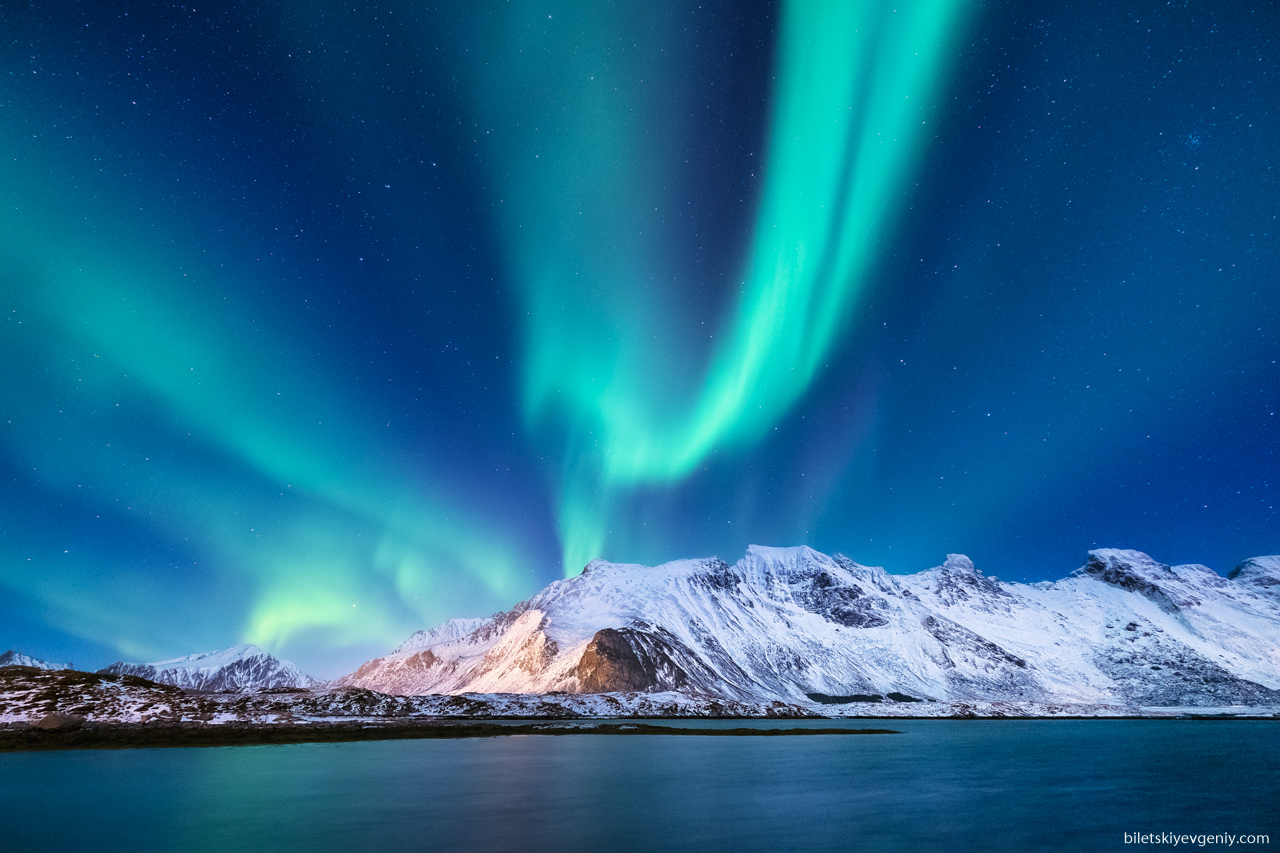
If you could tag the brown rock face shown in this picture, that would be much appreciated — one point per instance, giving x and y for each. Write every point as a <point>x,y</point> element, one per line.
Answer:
<point>629,660</point>
<point>60,722</point>
<point>610,664</point>
<point>422,661</point>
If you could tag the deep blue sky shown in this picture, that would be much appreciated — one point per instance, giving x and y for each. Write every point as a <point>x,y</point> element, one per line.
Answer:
<point>269,362</point>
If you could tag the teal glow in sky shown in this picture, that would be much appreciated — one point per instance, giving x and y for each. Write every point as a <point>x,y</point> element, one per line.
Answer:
<point>116,337</point>
<point>629,396</point>
<point>323,323</point>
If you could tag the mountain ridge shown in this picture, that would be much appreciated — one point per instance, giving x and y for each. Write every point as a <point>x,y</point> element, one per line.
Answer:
<point>784,624</point>
<point>16,658</point>
<point>239,668</point>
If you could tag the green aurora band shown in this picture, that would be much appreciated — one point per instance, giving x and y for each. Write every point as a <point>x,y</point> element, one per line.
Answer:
<point>568,103</point>
<point>126,328</point>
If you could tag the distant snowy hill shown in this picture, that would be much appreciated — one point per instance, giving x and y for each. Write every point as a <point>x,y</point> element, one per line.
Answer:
<point>238,668</point>
<point>792,624</point>
<point>12,658</point>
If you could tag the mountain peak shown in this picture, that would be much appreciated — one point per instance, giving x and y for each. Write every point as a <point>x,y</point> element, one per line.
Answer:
<point>240,667</point>
<point>1260,573</point>
<point>1125,559</point>
<point>221,657</point>
<point>1133,571</point>
<point>445,632</point>
<point>12,658</point>
<point>791,554</point>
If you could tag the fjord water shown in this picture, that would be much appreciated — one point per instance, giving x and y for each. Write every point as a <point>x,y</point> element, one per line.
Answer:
<point>950,785</point>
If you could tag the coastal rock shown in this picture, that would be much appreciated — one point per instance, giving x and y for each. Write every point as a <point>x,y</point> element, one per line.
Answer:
<point>60,722</point>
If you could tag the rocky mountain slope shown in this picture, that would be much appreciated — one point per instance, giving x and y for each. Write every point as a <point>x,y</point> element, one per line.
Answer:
<point>795,625</point>
<point>28,695</point>
<point>239,668</point>
<point>12,658</point>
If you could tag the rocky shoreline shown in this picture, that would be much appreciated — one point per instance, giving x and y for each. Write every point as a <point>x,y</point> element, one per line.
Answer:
<point>68,709</point>
<point>30,738</point>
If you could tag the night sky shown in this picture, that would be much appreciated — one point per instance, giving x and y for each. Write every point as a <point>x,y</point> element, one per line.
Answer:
<point>323,323</point>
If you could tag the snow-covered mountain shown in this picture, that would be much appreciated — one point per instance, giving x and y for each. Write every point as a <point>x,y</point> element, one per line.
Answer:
<point>12,658</point>
<point>238,668</point>
<point>791,624</point>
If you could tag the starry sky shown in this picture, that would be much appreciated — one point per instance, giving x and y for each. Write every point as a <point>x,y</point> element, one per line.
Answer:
<point>325,322</point>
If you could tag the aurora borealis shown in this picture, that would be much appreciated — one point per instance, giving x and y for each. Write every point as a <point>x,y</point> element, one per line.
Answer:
<point>849,104</point>
<point>325,322</point>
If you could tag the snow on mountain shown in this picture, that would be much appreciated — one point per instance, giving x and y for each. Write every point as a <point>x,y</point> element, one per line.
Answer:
<point>239,668</point>
<point>1260,573</point>
<point>792,624</point>
<point>449,631</point>
<point>27,696</point>
<point>12,658</point>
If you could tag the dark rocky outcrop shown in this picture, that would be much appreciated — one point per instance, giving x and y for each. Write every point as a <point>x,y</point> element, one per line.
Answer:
<point>1150,668</point>
<point>1262,574</point>
<point>629,659</point>
<point>420,662</point>
<point>957,637</point>
<point>957,581</point>
<point>901,697</point>
<point>843,603</point>
<point>1132,571</point>
<point>59,721</point>
<point>825,699</point>
<point>716,574</point>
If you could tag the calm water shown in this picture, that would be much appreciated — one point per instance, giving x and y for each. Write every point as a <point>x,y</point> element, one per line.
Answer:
<point>942,785</point>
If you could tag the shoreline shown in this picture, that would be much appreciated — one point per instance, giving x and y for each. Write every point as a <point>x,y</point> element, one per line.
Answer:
<point>166,735</point>
<point>170,735</point>
<point>97,711</point>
